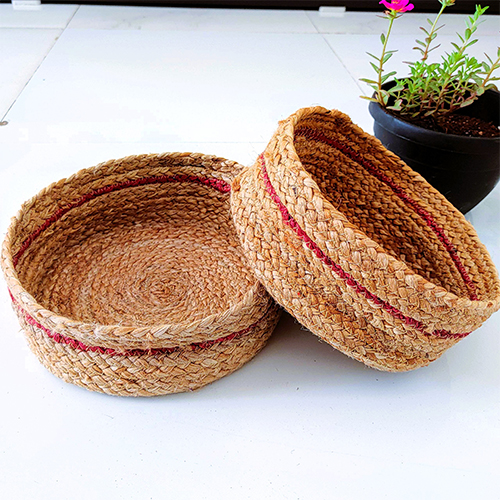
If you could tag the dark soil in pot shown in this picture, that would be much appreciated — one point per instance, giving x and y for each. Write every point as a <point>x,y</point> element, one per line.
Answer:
<point>458,124</point>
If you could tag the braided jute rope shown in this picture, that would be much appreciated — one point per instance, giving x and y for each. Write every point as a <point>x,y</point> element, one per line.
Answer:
<point>128,278</point>
<point>358,247</point>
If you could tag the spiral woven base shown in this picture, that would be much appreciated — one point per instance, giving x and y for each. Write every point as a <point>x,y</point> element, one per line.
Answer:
<point>358,247</point>
<point>128,277</point>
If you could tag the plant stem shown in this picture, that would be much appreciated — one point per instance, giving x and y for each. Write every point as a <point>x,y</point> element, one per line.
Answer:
<point>433,29</point>
<point>440,101</point>
<point>425,54</point>
<point>494,66</point>
<point>381,62</point>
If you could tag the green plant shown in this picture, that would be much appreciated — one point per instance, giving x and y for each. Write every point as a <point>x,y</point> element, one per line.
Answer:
<point>432,88</point>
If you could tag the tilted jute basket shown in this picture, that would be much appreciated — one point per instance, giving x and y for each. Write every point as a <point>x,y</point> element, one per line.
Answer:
<point>128,278</point>
<point>358,247</point>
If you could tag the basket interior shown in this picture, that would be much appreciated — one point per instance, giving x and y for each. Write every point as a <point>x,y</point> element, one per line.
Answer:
<point>371,205</point>
<point>145,255</point>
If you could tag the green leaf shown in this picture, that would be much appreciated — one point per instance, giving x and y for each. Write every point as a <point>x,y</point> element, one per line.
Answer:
<point>472,42</point>
<point>466,103</point>
<point>486,67</point>
<point>397,107</point>
<point>386,77</point>
<point>374,57</point>
<point>387,57</point>
<point>397,88</point>
<point>375,67</point>
<point>372,99</point>
<point>382,38</point>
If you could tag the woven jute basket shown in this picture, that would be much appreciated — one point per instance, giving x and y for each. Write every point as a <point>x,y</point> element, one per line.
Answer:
<point>128,278</point>
<point>358,247</point>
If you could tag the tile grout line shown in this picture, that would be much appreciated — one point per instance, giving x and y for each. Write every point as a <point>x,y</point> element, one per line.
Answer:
<point>356,82</point>
<point>62,30</point>
<point>334,53</point>
<point>72,17</point>
<point>311,21</point>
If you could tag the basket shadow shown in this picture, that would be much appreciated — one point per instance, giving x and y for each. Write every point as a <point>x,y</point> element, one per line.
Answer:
<point>295,359</point>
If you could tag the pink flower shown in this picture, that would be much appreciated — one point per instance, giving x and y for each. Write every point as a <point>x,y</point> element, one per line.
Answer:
<point>398,5</point>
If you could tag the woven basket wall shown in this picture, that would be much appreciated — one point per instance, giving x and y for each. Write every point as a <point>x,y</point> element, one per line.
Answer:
<point>358,247</point>
<point>128,278</point>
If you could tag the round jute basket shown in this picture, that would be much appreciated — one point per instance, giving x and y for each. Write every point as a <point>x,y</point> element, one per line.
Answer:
<point>128,278</point>
<point>358,247</point>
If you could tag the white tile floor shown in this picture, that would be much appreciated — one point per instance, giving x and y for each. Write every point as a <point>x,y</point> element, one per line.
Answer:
<point>84,84</point>
<point>25,49</point>
<point>176,19</point>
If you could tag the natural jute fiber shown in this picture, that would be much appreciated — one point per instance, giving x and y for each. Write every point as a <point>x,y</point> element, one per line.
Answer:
<point>358,247</point>
<point>128,278</point>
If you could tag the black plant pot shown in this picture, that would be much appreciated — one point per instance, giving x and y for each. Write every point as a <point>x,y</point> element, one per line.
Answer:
<point>464,169</point>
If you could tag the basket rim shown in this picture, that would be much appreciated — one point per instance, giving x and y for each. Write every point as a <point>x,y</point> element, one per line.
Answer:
<point>172,331</point>
<point>286,132</point>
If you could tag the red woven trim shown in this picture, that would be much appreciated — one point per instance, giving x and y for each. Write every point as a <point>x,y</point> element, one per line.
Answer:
<point>80,346</point>
<point>349,280</point>
<point>401,194</point>
<point>216,184</point>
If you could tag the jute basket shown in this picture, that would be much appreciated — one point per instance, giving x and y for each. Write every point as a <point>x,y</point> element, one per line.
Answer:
<point>358,247</point>
<point>128,278</point>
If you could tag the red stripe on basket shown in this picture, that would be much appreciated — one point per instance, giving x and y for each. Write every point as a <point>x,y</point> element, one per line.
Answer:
<point>80,346</point>
<point>401,194</point>
<point>216,184</point>
<point>349,280</point>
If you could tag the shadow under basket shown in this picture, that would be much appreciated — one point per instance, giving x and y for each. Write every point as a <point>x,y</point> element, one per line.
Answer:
<point>359,247</point>
<point>128,278</point>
